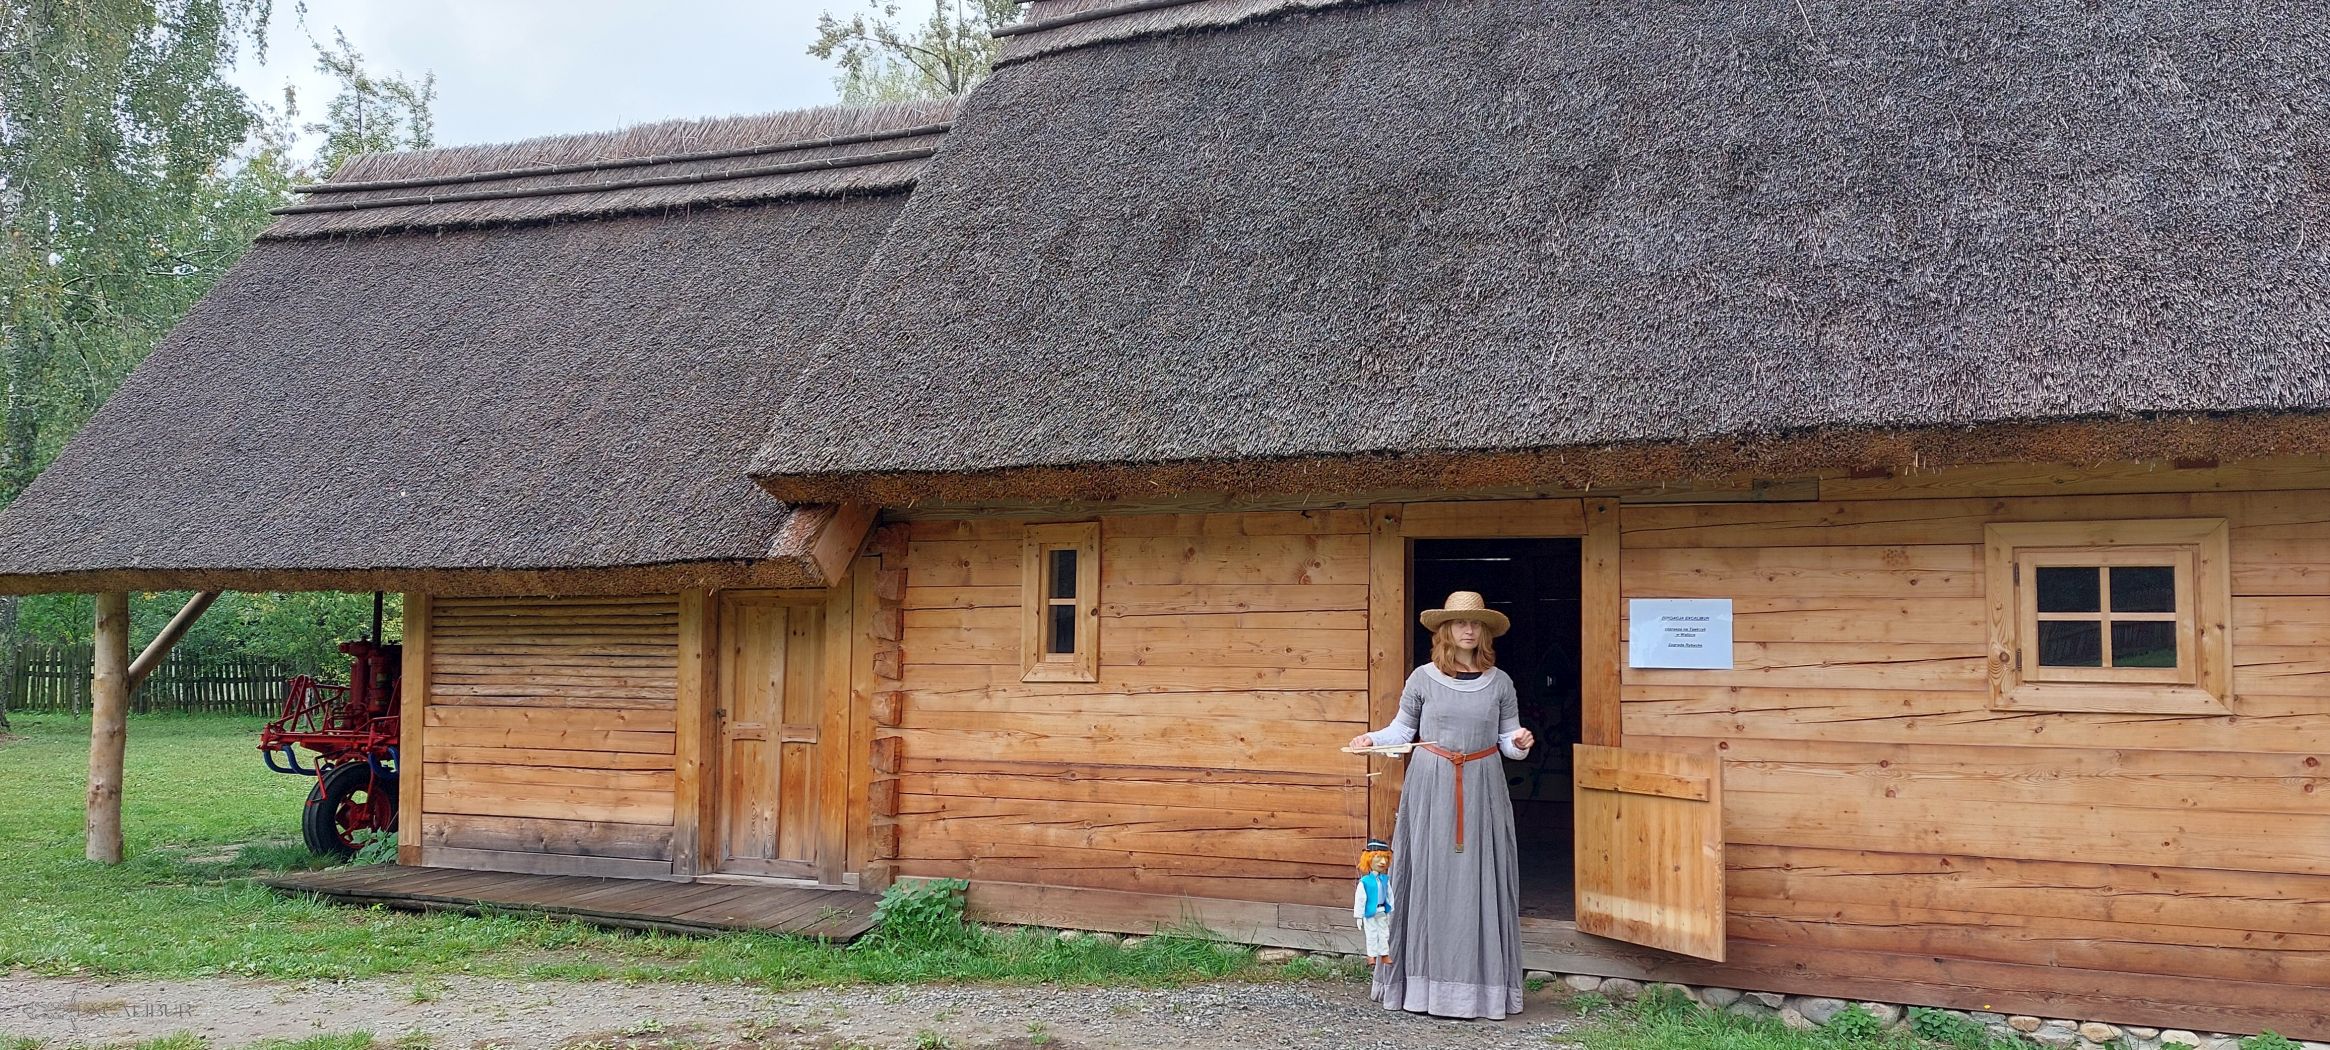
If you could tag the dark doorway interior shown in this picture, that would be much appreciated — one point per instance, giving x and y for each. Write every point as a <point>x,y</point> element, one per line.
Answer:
<point>1535,582</point>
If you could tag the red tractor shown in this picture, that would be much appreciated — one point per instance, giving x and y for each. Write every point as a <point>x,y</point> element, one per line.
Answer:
<point>351,731</point>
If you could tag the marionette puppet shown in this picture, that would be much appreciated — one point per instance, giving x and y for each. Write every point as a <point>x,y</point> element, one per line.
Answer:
<point>1371,901</point>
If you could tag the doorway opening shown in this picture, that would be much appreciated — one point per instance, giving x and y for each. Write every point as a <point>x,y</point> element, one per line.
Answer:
<point>1535,582</point>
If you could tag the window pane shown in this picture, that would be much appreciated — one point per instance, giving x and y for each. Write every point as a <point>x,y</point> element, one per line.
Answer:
<point>1063,575</point>
<point>2071,643</point>
<point>1063,629</point>
<point>2070,589</point>
<point>2142,643</point>
<point>2143,588</point>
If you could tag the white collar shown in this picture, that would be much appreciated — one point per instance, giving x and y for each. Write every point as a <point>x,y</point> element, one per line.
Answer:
<point>1463,685</point>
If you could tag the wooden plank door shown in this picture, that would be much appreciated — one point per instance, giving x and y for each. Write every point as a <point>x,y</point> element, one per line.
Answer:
<point>1650,848</point>
<point>771,719</point>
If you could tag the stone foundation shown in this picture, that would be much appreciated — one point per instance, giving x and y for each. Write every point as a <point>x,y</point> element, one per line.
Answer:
<point>1809,1012</point>
<point>1805,1011</point>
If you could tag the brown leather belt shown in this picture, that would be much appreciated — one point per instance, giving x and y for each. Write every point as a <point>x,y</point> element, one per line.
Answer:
<point>1458,760</point>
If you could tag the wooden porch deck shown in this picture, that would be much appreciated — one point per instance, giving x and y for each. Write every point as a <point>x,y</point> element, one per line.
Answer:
<point>640,904</point>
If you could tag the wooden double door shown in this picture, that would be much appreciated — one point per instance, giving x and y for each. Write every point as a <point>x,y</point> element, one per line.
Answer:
<point>782,728</point>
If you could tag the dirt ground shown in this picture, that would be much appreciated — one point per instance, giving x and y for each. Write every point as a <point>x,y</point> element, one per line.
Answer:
<point>475,1013</point>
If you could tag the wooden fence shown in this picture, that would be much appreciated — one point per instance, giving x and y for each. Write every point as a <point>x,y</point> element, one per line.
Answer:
<point>56,678</point>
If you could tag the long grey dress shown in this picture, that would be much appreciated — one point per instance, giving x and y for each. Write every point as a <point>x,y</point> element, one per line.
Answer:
<point>1456,932</point>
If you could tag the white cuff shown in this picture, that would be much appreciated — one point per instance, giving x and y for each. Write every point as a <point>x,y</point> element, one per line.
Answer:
<point>1506,745</point>
<point>1399,732</point>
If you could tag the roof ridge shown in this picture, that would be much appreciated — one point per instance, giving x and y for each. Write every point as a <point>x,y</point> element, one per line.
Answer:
<point>510,193</point>
<point>573,167</point>
<point>1092,14</point>
<point>1036,38</point>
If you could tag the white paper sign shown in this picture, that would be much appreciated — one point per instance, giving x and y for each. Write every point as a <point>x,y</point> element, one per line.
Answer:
<point>1679,632</point>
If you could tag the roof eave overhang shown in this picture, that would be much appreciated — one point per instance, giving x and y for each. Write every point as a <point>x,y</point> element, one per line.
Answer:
<point>814,556</point>
<point>2187,439</point>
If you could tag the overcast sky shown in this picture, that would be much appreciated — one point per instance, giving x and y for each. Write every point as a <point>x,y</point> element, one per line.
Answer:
<point>512,69</point>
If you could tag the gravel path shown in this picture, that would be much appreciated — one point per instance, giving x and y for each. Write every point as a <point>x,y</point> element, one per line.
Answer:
<point>475,1013</point>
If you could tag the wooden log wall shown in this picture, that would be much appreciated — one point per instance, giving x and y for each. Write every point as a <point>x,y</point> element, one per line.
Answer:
<point>1233,664</point>
<point>1889,835</point>
<point>550,732</point>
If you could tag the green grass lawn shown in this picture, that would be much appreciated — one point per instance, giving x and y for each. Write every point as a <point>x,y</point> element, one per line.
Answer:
<point>202,817</point>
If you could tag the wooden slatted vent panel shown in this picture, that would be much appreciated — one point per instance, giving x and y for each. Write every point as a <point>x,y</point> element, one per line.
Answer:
<point>551,730</point>
<point>1650,848</point>
<point>617,652</point>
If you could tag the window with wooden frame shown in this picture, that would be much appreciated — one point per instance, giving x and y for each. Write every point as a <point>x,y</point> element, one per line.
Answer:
<point>2122,616</point>
<point>1060,600</point>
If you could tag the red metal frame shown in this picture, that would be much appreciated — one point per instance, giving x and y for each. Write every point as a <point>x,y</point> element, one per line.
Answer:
<point>340,723</point>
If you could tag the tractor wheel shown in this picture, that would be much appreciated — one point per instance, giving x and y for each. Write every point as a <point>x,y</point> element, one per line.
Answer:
<point>347,799</point>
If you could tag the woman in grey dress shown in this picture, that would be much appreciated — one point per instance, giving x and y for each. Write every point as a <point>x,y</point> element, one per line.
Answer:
<point>1456,934</point>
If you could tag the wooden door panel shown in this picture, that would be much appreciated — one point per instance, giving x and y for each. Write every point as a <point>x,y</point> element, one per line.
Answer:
<point>797,764</point>
<point>770,670</point>
<point>1650,848</point>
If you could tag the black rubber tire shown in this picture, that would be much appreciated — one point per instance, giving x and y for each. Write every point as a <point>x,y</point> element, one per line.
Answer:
<point>320,821</point>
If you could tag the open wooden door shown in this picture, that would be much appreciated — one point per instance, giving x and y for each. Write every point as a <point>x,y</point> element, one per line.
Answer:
<point>779,730</point>
<point>1650,848</point>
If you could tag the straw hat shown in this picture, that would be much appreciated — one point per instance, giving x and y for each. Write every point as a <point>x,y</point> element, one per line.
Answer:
<point>1467,605</point>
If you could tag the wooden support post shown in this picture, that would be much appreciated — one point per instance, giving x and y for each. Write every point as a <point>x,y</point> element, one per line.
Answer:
<point>412,724</point>
<point>693,815</point>
<point>158,650</point>
<point>1602,623</point>
<point>1387,653</point>
<point>108,726</point>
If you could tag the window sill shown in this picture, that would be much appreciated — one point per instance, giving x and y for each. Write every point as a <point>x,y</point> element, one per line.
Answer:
<point>1059,673</point>
<point>2131,699</point>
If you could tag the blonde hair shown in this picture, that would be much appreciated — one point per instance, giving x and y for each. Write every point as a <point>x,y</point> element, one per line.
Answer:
<point>1484,654</point>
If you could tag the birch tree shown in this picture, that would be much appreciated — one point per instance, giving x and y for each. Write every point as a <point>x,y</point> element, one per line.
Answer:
<point>887,57</point>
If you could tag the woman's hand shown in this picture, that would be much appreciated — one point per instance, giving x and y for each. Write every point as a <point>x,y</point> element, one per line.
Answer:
<point>1362,740</point>
<point>1524,739</point>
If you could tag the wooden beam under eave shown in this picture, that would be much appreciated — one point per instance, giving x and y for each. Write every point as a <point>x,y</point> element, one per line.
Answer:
<point>108,726</point>
<point>837,545</point>
<point>158,650</point>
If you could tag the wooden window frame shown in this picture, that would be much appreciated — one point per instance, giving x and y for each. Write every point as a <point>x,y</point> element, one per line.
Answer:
<point>1037,664</point>
<point>2201,683</point>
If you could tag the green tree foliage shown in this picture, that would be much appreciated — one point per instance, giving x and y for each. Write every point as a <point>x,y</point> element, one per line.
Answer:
<point>121,198</point>
<point>302,629</point>
<point>371,113</point>
<point>132,176</point>
<point>887,58</point>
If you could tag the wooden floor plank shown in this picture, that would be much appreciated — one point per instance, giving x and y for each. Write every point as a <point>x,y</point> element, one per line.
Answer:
<point>678,898</point>
<point>803,911</point>
<point>758,911</point>
<point>707,908</point>
<point>442,882</point>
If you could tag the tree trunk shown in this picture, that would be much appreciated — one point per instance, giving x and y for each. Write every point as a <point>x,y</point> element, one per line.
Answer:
<point>108,726</point>
<point>11,656</point>
<point>19,420</point>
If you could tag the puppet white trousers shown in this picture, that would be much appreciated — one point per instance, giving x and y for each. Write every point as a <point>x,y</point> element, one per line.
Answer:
<point>1378,929</point>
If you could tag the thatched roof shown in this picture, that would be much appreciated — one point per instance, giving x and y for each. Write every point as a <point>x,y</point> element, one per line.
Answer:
<point>487,395</point>
<point>1255,242</point>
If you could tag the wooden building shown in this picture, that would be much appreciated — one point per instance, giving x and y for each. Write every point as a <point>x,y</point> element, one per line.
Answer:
<point>1106,449</point>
